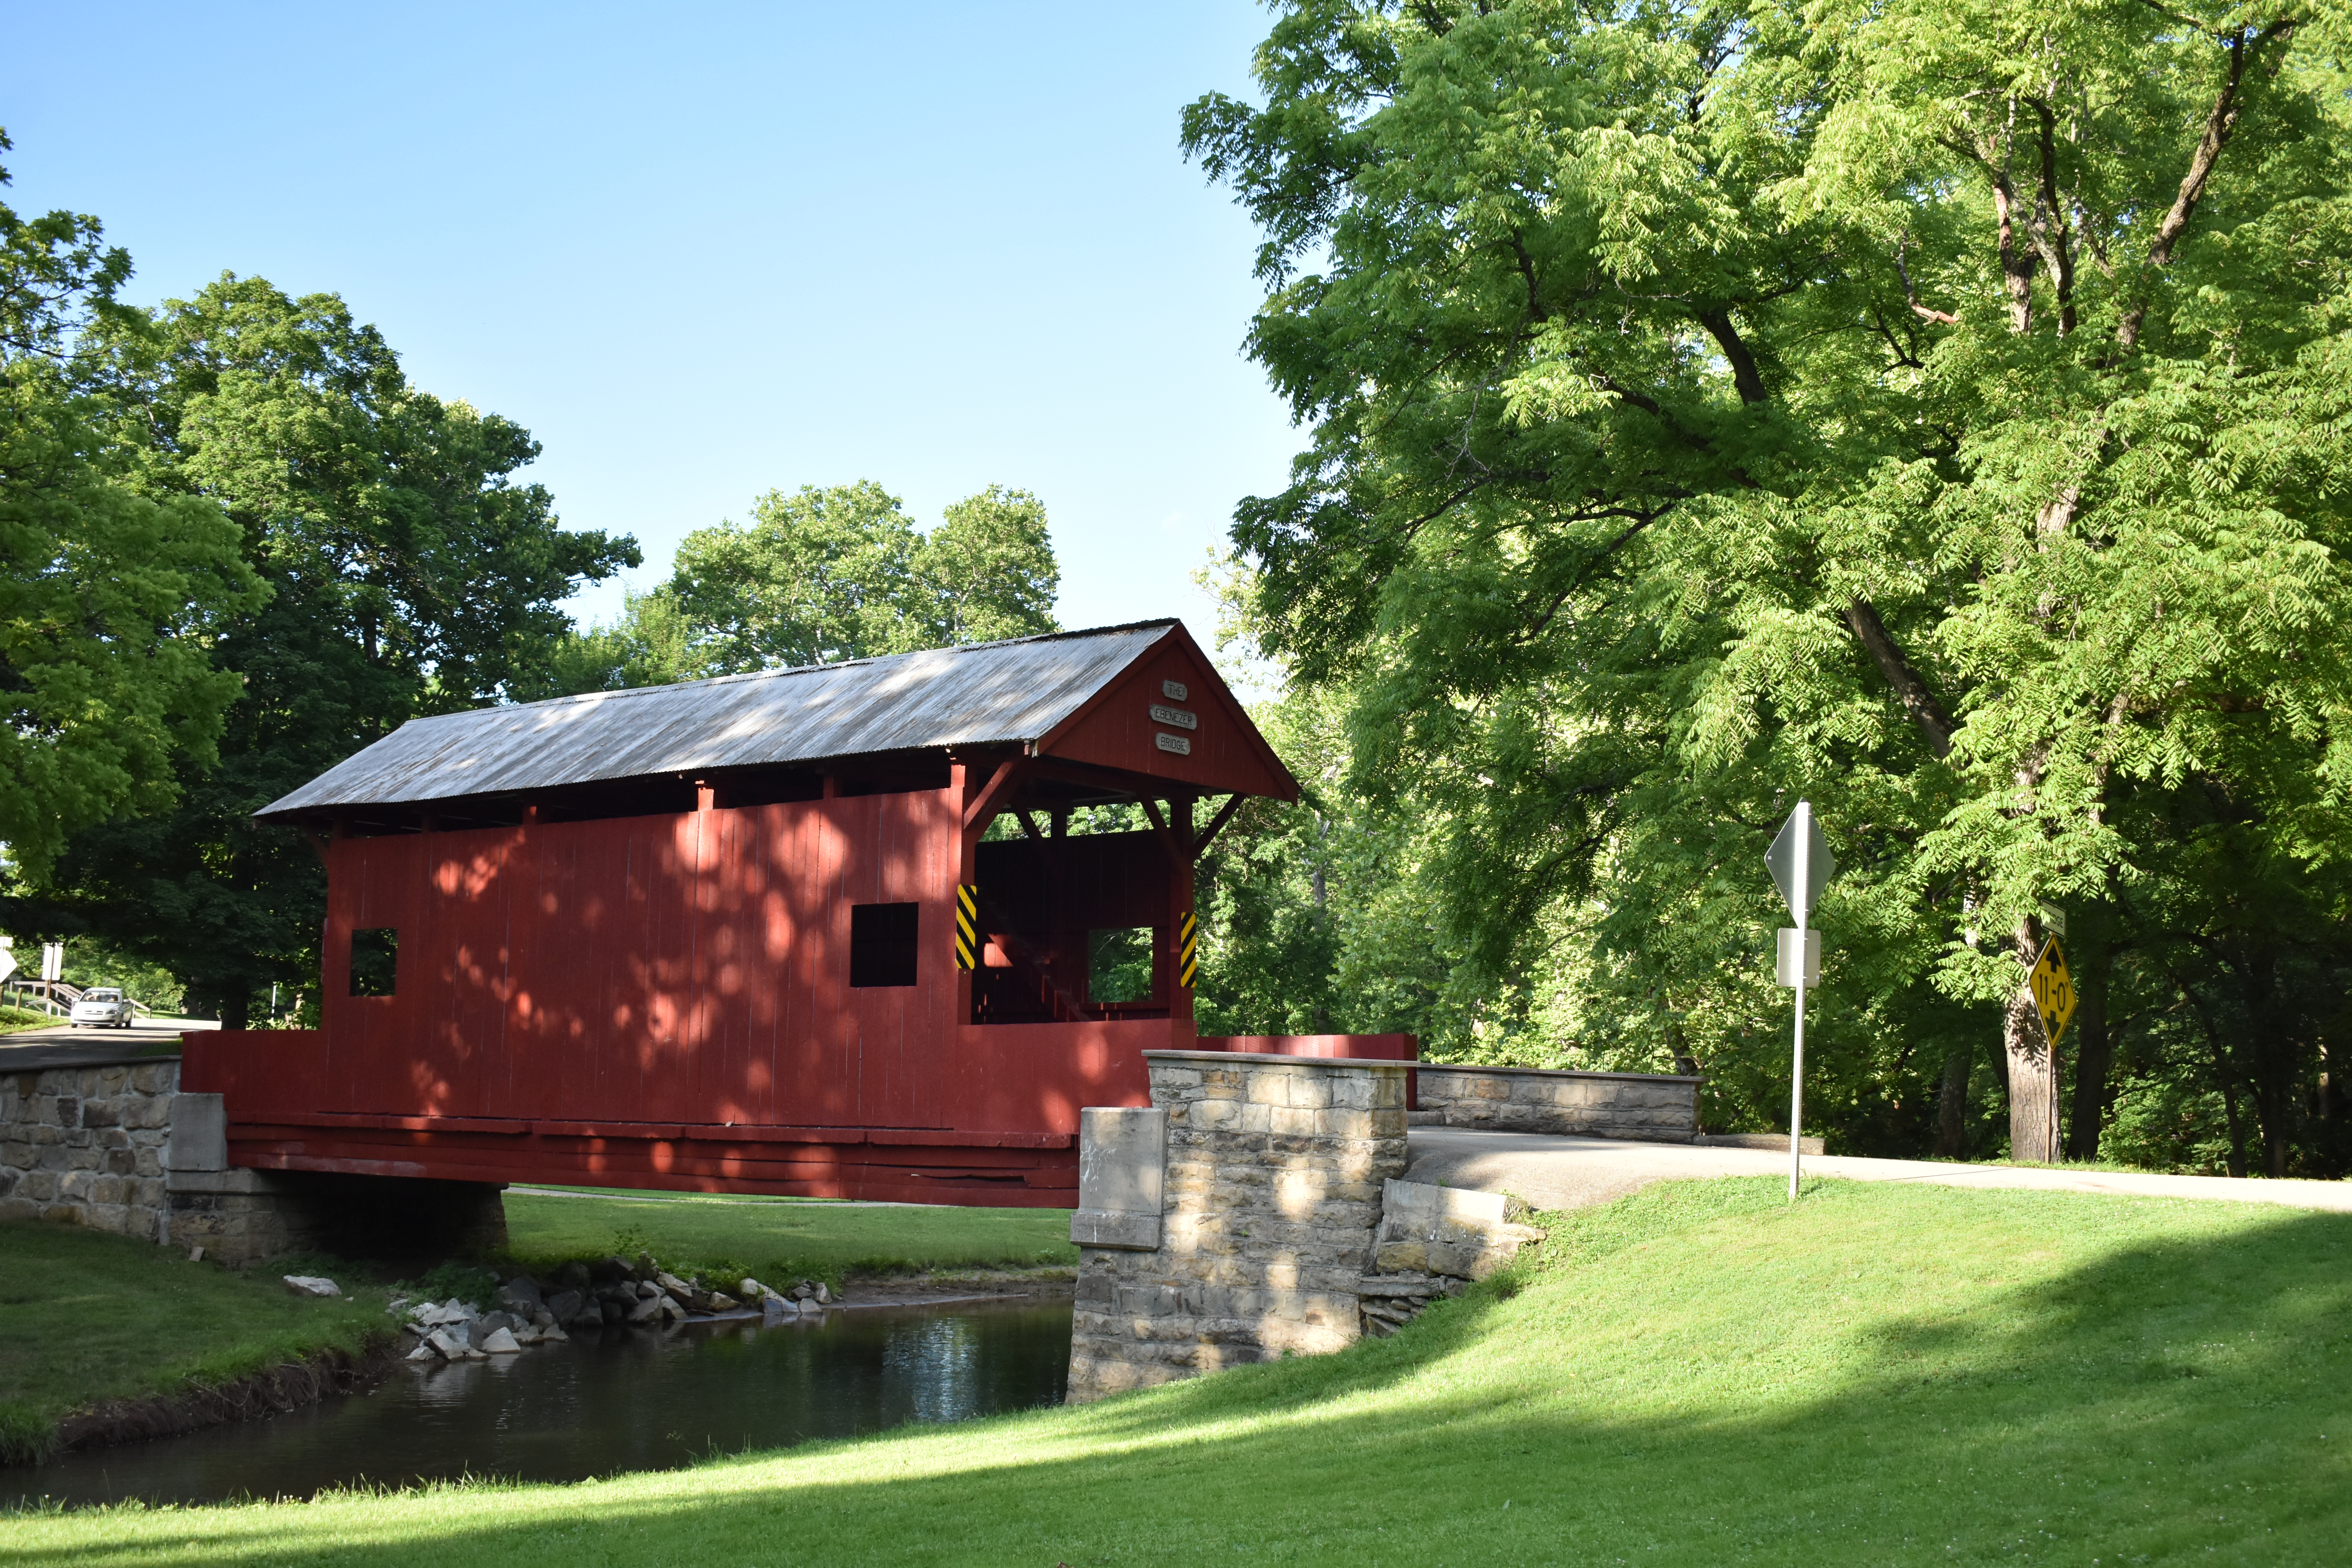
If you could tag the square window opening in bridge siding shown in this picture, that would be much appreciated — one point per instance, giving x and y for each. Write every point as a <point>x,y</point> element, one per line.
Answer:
<point>883,940</point>
<point>1118,964</point>
<point>375,960</point>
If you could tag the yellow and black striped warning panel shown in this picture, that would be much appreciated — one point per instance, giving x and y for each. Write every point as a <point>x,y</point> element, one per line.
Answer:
<point>967,929</point>
<point>1188,950</point>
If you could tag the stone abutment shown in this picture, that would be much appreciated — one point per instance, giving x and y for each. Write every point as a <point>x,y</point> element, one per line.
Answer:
<point>1235,1220</point>
<point>115,1146</point>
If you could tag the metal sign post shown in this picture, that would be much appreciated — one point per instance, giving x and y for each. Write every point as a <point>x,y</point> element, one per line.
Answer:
<point>1801,866</point>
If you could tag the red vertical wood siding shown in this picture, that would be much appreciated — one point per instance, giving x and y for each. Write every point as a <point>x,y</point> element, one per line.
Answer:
<point>662,1002</point>
<point>686,968</point>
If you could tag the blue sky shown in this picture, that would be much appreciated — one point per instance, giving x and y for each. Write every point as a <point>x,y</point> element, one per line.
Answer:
<point>704,251</point>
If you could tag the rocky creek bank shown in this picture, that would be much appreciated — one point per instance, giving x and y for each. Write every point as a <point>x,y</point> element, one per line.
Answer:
<point>591,1296</point>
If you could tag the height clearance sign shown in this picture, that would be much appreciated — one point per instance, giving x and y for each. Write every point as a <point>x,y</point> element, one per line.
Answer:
<point>2053,991</point>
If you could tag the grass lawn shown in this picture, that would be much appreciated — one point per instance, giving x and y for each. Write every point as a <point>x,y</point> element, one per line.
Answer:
<point>85,1317</point>
<point>780,1240</point>
<point>1698,1375</point>
<point>16,1020</point>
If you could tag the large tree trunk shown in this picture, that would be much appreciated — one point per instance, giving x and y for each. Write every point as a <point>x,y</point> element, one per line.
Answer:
<point>2032,1067</point>
<point>1952,1107</point>
<point>2224,1081</point>
<point>2272,1053</point>
<point>2236,1159</point>
<point>2093,1051</point>
<point>233,1001</point>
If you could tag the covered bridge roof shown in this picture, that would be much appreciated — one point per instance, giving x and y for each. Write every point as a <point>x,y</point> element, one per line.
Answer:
<point>1024,692</point>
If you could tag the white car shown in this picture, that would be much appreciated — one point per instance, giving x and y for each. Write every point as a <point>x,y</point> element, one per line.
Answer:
<point>102,1005</point>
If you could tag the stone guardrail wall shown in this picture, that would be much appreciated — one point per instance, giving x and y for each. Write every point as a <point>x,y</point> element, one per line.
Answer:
<point>1653,1107</point>
<point>116,1147</point>
<point>85,1145</point>
<point>1233,1221</point>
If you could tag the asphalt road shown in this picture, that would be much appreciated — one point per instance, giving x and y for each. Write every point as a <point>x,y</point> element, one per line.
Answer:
<point>30,1050</point>
<point>1568,1173</point>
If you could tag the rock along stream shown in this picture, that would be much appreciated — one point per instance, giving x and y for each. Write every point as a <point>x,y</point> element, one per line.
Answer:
<point>628,1399</point>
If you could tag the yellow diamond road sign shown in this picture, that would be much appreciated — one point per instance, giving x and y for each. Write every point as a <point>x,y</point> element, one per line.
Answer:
<point>2053,991</point>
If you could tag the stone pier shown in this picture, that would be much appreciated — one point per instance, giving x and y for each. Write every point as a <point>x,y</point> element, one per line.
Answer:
<point>1235,1219</point>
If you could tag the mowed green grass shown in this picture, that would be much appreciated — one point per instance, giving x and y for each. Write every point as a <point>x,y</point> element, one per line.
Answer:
<point>1700,1374</point>
<point>782,1238</point>
<point>85,1317</point>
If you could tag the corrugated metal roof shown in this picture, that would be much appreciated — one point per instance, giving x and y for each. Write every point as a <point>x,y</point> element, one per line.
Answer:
<point>986,693</point>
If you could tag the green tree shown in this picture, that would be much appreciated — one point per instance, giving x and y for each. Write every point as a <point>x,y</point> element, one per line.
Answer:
<point>818,575</point>
<point>1316,917</point>
<point>410,574</point>
<point>986,572</point>
<point>1932,409</point>
<point>840,571</point>
<point>648,644</point>
<point>110,600</point>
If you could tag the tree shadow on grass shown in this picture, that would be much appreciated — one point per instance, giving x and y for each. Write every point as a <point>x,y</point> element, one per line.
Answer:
<point>2177,1393</point>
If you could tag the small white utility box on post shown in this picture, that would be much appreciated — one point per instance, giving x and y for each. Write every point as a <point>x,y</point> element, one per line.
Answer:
<point>1792,973</point>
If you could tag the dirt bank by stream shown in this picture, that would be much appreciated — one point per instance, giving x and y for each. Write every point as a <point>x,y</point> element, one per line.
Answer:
<point>273,1391</point>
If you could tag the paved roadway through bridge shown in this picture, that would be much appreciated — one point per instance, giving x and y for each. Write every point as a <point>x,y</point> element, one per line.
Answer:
<point>1554,1172</point>
<point>63,1045</point>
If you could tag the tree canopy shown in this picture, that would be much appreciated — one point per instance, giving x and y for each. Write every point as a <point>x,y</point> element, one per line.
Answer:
<point>110,599</point>
<point>407,572</point>
<point>840,571</point>
<point>1932,409</point>
<point>826,573</point>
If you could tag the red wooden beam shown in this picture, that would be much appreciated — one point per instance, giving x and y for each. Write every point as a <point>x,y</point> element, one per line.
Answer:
<point>1008,774</point>
<point>1092,776</point>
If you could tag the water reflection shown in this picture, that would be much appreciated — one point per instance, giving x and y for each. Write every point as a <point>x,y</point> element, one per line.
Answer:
<point>633,1400</point>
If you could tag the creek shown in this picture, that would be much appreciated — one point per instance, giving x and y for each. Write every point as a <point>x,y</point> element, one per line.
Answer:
<point>627,1399</point>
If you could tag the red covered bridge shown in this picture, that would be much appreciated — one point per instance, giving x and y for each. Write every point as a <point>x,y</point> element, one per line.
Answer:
<point>754,934</point>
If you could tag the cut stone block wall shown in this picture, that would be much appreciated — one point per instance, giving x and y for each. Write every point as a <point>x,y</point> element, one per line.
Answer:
<point>1460,1234</point>
<point>85,1145</point>
<point>118,1148</point>
<point>1122,1178</point>
<point>1269,1209</point>
<point>1433,1241</point>
<point>1653,1107</point>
